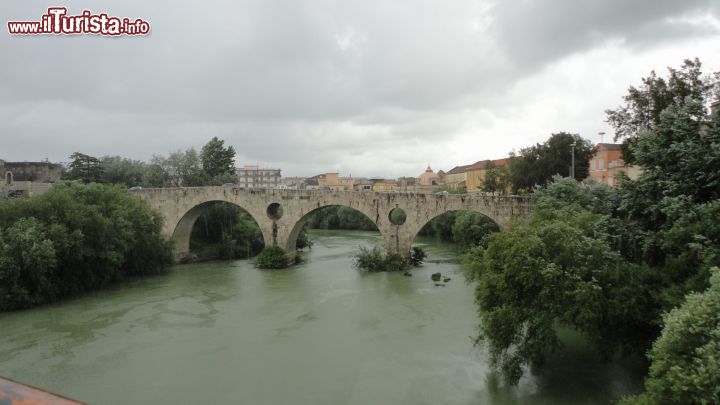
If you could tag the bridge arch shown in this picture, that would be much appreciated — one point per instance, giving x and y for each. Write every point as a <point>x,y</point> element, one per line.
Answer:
<point>182,206</point>
<point>184,225</point>
<point>413,233</point>
<point>300,222</point>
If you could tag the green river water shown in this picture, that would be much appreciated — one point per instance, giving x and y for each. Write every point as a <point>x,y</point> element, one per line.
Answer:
<point>318,333</point>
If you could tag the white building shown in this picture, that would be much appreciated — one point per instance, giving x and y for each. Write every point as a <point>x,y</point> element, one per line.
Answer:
<point>250,176</point>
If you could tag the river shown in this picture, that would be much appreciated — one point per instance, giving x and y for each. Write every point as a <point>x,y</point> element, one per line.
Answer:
<point>317,333</point>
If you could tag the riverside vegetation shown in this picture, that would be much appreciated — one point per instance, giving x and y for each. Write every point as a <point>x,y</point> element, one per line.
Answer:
<point>75,238</point>
<point>610,262</point>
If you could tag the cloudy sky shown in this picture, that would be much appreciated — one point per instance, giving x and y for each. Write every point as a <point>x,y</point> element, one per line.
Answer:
<point>364,87</point>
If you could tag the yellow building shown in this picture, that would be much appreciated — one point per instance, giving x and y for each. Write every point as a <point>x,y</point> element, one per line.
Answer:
<point>475,175</point>
<point>333,181</point>
<point>456,179</point>
<point>385,185</point>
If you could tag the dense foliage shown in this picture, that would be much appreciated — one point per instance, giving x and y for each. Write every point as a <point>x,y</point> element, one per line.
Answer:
<point>536,165</point>
<point>218,160</point>
<point>75,238</point>
<point>225,231</point>
<point>496,178</point>
<point>645,104</point>
<point>608,262</point>
<point>272,257</point>
<point>213,166</point>
<point>338,217</point>
<point>84,168</point>
<point>376,260</point>
<point>465,228</point>
<point>686,357</point>
<point>417,255</point>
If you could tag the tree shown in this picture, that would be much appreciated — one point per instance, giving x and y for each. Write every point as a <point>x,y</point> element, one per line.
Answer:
<point>556,269</point>
<point>76,238</point>
<point>183,169</point>
<point>119,170</point>
<point>84,168</point>
<point>644,105</point>
<point>536,165</point>
<point>491,182</point>
<point>27,262</point>
<point>216,159</point>
<point>678,150</point>
<point>685,359</point>
<point>470,228</point>
<point>609,262</point>
<point>156,176</point>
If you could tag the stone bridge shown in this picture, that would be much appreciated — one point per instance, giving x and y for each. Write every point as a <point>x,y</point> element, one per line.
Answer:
<point>282,213</point>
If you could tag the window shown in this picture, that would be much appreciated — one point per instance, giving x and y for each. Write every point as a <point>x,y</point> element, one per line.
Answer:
<point>9,178</point>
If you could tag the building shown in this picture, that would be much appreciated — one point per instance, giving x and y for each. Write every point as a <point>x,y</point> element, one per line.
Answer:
<point>382,185</point>
<point>333,181</point>
<point>293,183</point>
<point>312,183</point>
<point>255,177</point>
<point>28,178</point>
<point>475,175</point>
<point>428,178</point>
<point>456,178</point>
<point>607,164</point>
<point>363,185</point>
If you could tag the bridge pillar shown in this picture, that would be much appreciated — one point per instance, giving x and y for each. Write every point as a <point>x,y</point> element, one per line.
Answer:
<point>397,240</point>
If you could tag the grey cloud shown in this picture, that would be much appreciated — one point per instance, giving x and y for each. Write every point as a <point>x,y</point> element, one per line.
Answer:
<point>360,85</point>
<point>535,32</point>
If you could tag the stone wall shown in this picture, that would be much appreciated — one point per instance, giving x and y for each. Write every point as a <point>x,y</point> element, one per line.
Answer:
<point>181,207</point>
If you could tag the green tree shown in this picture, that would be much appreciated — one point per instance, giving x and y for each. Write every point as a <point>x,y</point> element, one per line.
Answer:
<point>536,165</point>
<point>609,262</point>
<point>227,231</point>
<point>156,176</point>
<point>98,234</point>
<point>119,170</point>
<point>645,104</point>
<point>685,359</point>
<point>493,181</point>
<point>182,169</point>
<point>27,262</point>
<point>562,267</point>
<point>470,228</point>
<point>217,160</point>
<point>84,168</point>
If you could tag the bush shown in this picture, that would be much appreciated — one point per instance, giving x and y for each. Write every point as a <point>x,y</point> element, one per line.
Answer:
<point>417,255</point>
<point>376,260</point>
<point>684,359</point>
<point>75,238</point>
<point>272,257</point>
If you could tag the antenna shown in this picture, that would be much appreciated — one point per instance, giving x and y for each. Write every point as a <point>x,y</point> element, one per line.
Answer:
<point>602,135</point>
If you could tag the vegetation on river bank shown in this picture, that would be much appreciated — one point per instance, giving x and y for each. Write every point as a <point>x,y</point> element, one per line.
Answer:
<point>75,238</point>
<point>610,262</point>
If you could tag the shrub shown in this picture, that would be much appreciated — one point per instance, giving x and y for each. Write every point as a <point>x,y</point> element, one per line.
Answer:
<point>684,359</point>
<point>272,257</point>
<point>376,260</point>
<point>75,238</point>
<point>417,255</point>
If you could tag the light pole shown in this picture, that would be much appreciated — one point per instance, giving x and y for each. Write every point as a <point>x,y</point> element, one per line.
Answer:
<point>572,164</point>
